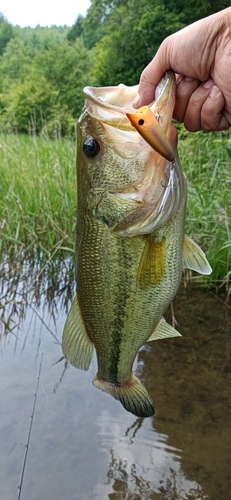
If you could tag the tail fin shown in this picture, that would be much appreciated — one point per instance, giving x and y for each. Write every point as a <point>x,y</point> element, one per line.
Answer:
<point>132,395</point>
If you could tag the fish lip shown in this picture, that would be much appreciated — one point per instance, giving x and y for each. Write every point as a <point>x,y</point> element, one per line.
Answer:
<point>165,86</point>
<point>95,95</point>
<point>100,101</point>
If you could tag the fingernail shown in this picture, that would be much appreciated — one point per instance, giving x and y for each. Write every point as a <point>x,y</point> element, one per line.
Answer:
<point>214,92</point>
<point>136,100</point>
<point>208,84</point>
<point>188,79</point>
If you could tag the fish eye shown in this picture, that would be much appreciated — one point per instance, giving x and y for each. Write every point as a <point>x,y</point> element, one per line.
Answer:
<point>91,147</point>
<point>141,121</point>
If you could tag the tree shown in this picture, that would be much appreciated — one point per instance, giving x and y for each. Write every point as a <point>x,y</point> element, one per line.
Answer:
<point>94,22</point>
<point>43,90</point>
<point>76,30</point>
<point>14,63</point>
<point>66,68</point>
<point>192,10</point>
<point>30,105</point>
<point>133,34</point>
<point>6,33</point>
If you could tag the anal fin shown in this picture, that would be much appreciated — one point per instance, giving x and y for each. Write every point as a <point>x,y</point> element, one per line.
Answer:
<point>193,257</point>
<point>163,331</point>
<point>76,344</point>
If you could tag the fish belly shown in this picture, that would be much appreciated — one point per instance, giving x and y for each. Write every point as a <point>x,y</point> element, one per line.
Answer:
<point>119,304</point>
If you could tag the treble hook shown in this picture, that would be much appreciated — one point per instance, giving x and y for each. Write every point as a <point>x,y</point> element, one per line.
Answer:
<point>172,182</point>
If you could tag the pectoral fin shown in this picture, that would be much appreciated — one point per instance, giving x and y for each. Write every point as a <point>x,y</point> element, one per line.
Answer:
<point>193,257</point>
<point>76,344</point>
<point>152,263</point>
<point>163,331</point>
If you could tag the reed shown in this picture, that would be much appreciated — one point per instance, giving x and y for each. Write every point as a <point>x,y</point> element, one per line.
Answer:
<point>38,195</point>
<point>206,160</point>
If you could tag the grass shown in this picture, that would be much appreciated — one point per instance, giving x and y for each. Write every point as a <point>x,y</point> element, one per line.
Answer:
<point>38,195</point>
<point>206,161</point>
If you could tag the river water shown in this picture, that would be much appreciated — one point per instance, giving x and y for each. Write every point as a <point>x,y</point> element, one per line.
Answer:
<point>83,444</point>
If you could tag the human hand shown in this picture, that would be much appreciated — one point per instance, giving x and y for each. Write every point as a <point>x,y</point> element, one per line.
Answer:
<point>200,55</point>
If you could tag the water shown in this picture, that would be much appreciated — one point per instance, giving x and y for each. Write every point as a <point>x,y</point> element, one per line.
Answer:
<point>84,445</point>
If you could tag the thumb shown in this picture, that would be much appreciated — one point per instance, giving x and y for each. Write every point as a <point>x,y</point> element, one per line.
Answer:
<point>149,79</point>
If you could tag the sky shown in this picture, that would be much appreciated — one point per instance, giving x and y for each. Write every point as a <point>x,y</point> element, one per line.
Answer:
<point>43,12</point>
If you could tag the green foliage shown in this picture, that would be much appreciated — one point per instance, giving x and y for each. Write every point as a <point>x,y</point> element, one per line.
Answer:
<point>94,22</point>
<point>65,67</point>
<point>205,160</point>
<point>37,194</point>
<point>42,88</point>
<point>76,30</point>
<point>120,57</point>
<point>6,33</point>
<point>41,36</point>
<point>31,105</point>
<point>192,10</point>
<point>14,63</point>
<point>124,36</point>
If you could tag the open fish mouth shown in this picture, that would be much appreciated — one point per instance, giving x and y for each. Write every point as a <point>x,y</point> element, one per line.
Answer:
<point>112,104</point>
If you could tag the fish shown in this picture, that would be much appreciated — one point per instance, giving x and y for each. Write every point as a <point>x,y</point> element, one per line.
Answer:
<point>130,240</point>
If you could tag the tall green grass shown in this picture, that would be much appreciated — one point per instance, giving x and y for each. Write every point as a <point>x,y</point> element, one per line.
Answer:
<point>38,195</point>
<point>206,161</point>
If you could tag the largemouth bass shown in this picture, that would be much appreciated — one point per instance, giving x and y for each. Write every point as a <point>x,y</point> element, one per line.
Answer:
<point>130,242</point>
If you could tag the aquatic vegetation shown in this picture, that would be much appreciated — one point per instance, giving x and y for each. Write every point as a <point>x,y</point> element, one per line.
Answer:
<point>37,194</point>
<point>206,161</point>
<point>25,284</point>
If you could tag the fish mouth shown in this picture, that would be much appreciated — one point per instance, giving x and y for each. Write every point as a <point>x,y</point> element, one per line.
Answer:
<point>160,190</point>
<point>111,105</point>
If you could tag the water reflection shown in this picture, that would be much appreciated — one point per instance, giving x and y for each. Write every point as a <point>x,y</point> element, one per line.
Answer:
<point>192,389</point>
<point>26,285</point>
<point>83,444</point>
<point>142,464</point>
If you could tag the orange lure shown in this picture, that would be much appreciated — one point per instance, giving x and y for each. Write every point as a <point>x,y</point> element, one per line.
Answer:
<point>145,122</point>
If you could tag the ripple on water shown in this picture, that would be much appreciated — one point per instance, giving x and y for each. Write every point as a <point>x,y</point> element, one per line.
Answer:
<point>83,444</point>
